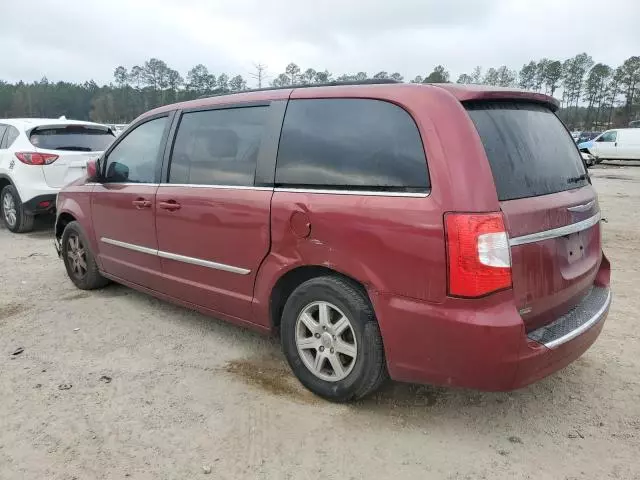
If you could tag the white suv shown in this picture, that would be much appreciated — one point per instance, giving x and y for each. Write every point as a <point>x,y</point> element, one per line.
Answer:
<point>37,158</point>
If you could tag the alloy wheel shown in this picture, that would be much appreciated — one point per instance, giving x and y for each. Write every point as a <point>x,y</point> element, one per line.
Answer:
<point>9,209</point>
<point>326,341</point>
<point>77,256</point>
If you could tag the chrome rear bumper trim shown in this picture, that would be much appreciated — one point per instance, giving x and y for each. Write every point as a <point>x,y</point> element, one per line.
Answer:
<point>554,340</point>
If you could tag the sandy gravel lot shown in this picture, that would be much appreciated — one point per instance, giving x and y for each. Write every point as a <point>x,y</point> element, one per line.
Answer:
<point>158,392</point>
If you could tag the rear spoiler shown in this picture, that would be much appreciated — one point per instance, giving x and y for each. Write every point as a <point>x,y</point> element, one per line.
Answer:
<point>469,93</point>
<point>48,126</point>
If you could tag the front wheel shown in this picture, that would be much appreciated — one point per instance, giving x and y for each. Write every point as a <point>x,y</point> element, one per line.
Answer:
<point>79,260</point>
<point>332,341</point>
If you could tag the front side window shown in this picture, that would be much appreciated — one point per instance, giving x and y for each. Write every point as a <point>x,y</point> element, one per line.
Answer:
<point>608,137</point>
<point>135,158</point>
<point>218,147</point>
<point>354,144</point>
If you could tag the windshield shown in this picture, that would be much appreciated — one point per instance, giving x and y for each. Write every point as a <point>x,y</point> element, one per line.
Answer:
<point>530,151</point>
<point>77,138</point>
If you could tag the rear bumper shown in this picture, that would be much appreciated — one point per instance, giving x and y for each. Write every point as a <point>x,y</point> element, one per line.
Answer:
<point>482,344</point>
<point>538,361</point>
<point>40,204</point>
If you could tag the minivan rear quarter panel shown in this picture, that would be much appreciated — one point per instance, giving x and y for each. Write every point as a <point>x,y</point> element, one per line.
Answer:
<point>395,246</point>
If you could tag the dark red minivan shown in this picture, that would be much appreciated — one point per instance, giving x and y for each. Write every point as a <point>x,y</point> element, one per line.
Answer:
<point>443,234</point>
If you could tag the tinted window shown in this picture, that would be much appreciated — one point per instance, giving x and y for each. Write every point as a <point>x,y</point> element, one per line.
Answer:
<point>77,138</point>
<point>350,143</point>
<point>10,137</point>
<point>529,149</point>
<point>3,129</point>
<point>135,158</point>
<point>608,137</point>
<point>218,147</point>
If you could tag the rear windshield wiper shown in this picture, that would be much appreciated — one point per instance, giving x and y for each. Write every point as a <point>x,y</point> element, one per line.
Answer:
<point>583,177</point>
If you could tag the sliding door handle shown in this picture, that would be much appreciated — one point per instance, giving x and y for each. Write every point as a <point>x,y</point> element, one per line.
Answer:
<point>170,205</point>
<point>141,203</point>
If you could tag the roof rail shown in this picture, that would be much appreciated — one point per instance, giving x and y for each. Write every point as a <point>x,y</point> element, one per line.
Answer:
<point>368,81</point>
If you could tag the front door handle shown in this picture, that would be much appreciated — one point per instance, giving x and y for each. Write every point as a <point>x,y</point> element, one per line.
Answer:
<point>141,203</point>
<point>170,205</point>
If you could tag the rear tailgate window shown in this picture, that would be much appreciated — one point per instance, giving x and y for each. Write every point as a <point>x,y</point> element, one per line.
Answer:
<point>75,138</point>
<point>530,151</point>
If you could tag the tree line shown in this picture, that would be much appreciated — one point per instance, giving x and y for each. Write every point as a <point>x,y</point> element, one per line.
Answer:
<point>593,95</point>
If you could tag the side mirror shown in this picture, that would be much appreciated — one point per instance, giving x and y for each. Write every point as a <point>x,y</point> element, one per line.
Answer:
<point>92,170</point>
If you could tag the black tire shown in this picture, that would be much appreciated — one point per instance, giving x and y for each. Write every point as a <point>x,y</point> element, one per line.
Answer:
<point>599,160</point>
<point>369,369</point>
<point>87,278</point>
<point>23,222</point>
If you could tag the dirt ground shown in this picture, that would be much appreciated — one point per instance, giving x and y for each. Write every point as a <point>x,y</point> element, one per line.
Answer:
<point>114,384</point>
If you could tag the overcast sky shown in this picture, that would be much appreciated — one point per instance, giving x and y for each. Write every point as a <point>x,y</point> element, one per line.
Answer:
<point>78,40</point>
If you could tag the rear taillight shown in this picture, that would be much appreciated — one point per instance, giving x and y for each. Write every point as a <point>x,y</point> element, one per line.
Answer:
<point>34,158</point>
<point>479,258</point>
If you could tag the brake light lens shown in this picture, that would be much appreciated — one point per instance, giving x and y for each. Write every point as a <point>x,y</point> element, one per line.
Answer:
<point>34,158</point>
<point>478,254</point>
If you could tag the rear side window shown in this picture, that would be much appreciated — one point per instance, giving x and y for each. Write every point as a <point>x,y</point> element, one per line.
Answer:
<point>350,144</point>
<point>10,136</point>
<point>77,138</point>
<point>529,150</point>
<point>218,147</point>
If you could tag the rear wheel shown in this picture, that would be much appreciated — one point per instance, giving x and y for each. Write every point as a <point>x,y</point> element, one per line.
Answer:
<point>79,260</point>
<point>13,214</point>
<point>331,339</point>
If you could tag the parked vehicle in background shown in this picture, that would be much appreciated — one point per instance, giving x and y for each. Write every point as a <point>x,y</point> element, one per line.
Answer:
<point>588,159</point>
<point>118,128</point>
<point>617,144</point>
<point>37,158</point>
<point>586,136</point>
<point>575,135</point>
<point>446,234</point>
<point>634,124</point>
